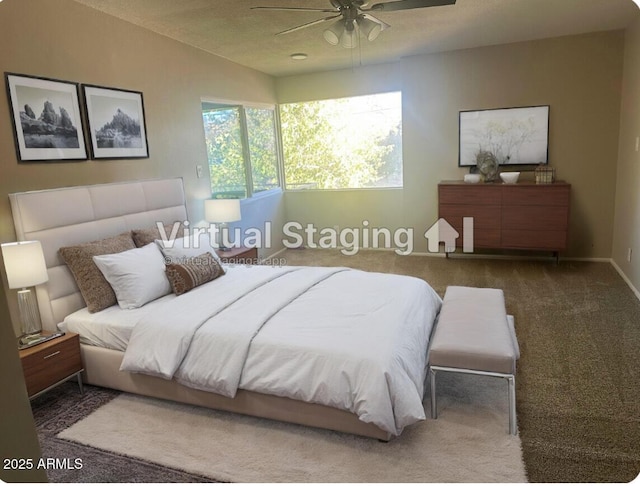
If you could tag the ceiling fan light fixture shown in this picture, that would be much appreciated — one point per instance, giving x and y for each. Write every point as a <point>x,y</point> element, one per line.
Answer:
<point>370,28</point>
<point>332,34</point>
<point>349,38</point>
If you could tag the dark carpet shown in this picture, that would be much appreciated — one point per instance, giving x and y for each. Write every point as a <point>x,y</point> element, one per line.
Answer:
<point>578,382</point>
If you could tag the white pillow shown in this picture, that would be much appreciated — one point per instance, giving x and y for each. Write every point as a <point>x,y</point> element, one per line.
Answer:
<point>188,247</point>
<point>136,276</point>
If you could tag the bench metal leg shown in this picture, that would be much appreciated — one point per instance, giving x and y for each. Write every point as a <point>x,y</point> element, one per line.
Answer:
<point>434,407</point>
<point>513,429</point>
<point>511,380</point>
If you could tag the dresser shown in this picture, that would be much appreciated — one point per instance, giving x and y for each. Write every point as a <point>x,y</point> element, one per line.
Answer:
<point>522,216</point>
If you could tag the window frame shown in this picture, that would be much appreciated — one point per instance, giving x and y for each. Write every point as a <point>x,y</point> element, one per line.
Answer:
<point>242,107</point>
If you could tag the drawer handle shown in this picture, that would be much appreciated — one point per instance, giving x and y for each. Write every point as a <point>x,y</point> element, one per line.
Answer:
<point>52,355</point>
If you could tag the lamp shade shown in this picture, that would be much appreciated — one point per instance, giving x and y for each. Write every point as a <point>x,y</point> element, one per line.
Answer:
<point>333,33</point>
<point>222,210</point>
<point>369,28</point>
<point>24,263</point>
<point>349,38</point>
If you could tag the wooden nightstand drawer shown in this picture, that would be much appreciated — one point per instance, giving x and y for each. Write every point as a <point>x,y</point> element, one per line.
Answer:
<point>46,364</point>
<point>239,256</point>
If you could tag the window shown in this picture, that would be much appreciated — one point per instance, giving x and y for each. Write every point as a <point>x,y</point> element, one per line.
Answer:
<point>345,143</point>
<point>241,148</point>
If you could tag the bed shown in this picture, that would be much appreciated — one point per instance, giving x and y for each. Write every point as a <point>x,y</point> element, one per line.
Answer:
<point>277,337</point>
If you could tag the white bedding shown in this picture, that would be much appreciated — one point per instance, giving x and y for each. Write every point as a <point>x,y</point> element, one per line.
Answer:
<point>339,337</point>
<point>110,328</point>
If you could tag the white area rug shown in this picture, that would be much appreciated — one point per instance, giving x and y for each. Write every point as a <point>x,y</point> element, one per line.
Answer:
<point>468,443</point>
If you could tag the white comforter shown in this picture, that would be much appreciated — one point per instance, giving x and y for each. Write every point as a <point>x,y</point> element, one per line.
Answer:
<point>339,337</point>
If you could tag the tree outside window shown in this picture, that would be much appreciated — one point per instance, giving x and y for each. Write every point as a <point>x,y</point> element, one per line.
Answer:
<point>345,143</point>
<point>241,149</point>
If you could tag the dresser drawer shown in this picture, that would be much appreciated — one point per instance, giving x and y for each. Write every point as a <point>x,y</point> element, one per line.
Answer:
<point>483,216</point>
<point>52,362</point>
<point>239,256</point>
<point>535,218</point>
<point>536,195</point>
<point>476,195</point>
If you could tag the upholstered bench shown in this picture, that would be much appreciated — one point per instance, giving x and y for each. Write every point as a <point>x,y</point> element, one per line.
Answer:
<point>474,335</point>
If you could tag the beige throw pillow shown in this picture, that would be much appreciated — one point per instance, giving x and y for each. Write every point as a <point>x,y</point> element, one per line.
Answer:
<point>95,290</point>
<point>142,237</point>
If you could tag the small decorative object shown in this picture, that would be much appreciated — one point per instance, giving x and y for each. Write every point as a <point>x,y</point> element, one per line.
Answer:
<point>116,123</point>
<point>509,177</point>
<point>472,178</point>
<point>545,175</point>
<point>487,165</point>
<point>513,135</point>
<point>46,119</point>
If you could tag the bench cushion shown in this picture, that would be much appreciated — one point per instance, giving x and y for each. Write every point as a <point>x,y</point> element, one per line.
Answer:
<point>473,332</point>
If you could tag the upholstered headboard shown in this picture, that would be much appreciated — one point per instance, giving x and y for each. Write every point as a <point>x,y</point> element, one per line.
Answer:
<point>68,216</point>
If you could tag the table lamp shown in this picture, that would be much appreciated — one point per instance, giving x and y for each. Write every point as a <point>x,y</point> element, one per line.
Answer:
<point>221,212</point>
<point>25,267</point>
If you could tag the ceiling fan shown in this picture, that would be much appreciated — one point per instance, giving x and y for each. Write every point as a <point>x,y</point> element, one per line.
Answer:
<point>354,16</point>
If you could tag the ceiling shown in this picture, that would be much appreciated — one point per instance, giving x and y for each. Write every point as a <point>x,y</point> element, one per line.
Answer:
<point>230,29</point>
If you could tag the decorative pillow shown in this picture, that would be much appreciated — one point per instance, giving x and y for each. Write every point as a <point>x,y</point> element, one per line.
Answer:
<point>137,276</point>
<point>195,271</point>
<point>190,246</point>
<point>95,290</point>
<point>142,237</point>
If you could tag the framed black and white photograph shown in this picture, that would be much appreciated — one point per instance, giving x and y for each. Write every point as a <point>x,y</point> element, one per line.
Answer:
<point>510,136</point>
<point>46,119</point>
<point>116,123</point>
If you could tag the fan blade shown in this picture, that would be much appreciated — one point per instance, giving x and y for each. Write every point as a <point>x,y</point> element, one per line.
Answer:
<point>409,4</point>
<point>304,9</point>
<point>383,24</point>
<point>309,24</point>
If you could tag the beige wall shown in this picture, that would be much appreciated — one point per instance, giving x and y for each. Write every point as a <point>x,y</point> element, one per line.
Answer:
<point>65,40</point>
<point>18,438</point>
<point>627,216</point>
<point>579,77</point>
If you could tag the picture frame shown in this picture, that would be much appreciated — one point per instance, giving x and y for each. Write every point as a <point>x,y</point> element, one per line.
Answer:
<point>510,136</point>
<point>115,122</point>
<point>46,118</point>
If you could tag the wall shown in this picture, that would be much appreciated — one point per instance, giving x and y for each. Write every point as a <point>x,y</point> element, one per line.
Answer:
<point>627,214</point>
<point>18,438</point>
<point>65,40</point>
<point>579,77</point>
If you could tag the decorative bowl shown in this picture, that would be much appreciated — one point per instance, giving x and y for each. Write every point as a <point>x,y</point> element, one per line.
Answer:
<point>509,177</point>
<point>472,178</point>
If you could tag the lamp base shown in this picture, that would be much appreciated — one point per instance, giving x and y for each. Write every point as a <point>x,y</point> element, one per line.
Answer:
<point>29,315</point>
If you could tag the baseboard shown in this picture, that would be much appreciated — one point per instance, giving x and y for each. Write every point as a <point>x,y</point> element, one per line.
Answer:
<point>592,260</point>
<point>625,278</point>
<point>273,255</point>
<point>490,256</point>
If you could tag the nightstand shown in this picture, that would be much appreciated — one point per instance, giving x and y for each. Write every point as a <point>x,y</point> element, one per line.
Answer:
<point>239,256</point>
<point>51,363</point>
